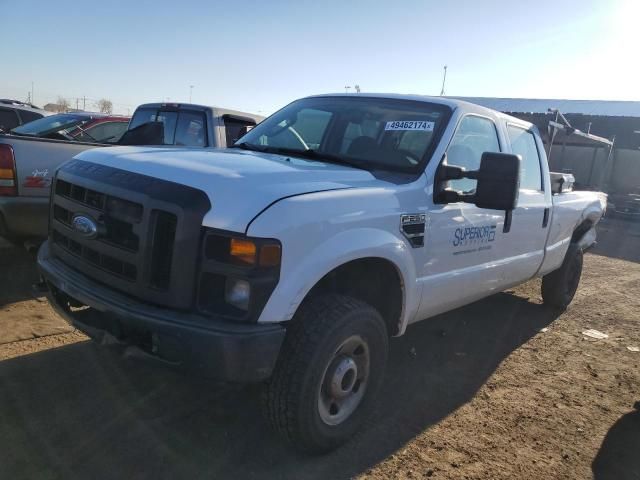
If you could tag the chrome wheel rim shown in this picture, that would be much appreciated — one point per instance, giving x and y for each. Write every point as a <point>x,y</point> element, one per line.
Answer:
<point>344,381</point>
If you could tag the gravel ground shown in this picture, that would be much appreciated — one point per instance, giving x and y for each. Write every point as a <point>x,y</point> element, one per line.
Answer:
<point>503,388</point>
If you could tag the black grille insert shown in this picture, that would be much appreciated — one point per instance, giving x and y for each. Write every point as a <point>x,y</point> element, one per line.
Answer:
<point>115,232</point>
<point>164,234</point>
<point>113,206</point>
<point>112,265</point>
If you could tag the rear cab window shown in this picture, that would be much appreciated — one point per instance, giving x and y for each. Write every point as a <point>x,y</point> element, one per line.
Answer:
<point>180,127</point>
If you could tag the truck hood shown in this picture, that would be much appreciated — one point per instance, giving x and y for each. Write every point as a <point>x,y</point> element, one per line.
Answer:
<point>239,183</point>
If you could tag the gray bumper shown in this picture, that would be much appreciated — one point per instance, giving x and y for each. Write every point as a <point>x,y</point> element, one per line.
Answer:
<point>210,347</point>
<point>24,216</point>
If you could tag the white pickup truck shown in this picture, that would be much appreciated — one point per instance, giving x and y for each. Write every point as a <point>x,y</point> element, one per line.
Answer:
<point>293,257</point>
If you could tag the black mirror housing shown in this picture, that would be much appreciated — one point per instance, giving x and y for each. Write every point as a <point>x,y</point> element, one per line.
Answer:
<point>498,181</point>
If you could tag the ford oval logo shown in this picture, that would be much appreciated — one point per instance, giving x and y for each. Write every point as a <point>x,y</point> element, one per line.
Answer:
<point>85,226</point>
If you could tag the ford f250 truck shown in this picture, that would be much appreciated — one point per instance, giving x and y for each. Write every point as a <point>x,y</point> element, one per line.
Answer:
<point>294,257</point>
<point>30,154</point>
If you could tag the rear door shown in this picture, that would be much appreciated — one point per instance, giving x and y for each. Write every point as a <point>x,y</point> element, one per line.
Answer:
<point>530,219</point>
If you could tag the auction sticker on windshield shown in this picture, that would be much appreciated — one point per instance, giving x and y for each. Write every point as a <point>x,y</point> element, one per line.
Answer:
<point>410,125</point>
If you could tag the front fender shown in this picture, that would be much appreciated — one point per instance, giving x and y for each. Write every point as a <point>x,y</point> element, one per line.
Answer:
<point>300,275</point>
<point>322,231</point>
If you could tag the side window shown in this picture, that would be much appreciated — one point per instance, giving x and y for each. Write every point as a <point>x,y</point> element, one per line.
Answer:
<point>523,143</point>
<point>28,116</point>
<point>191,130</point>
<point>8,119</point>
<point>235,129</point>
<point>475,135</point>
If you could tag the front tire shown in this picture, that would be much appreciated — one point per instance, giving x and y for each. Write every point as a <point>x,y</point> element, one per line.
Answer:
<point>328,373</point>
<point>559,286</point>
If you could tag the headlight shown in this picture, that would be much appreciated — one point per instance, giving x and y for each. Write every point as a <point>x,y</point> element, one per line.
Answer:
<point>237,275</point>
<point>237,293</point>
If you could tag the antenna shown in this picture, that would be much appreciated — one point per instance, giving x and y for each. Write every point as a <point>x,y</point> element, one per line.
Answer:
<point>444,79</point>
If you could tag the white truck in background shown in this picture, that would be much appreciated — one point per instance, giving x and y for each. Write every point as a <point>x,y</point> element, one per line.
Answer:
<point>293,257</point>
<point>29,155</point>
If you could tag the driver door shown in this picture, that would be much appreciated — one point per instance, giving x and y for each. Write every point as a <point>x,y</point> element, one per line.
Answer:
<point>461,262</point>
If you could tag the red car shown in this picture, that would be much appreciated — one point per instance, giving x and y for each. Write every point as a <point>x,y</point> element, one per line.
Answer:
<point>78,126</point>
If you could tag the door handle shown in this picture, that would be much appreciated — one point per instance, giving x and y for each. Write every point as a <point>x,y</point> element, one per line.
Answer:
<point>545,218</point>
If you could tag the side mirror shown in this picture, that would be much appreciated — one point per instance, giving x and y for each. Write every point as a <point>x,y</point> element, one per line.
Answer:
<point>498,182</point>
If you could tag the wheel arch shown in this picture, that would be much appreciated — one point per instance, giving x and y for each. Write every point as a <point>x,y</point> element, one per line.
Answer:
<point>385,254</point>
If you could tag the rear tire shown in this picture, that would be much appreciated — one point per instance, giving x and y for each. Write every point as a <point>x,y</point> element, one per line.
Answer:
<point>559,286</point>
<point>328,373</point>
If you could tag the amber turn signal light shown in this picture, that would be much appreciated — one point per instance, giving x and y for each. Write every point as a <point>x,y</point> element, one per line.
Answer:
<point>243,251</point>
<point>270,255</point>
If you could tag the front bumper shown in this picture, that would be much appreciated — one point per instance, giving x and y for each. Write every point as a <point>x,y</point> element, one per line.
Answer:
<point>213,348</point>
<point>24,216</point>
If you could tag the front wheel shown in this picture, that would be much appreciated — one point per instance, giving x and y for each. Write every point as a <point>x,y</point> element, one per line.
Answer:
<point>559,286</point>
<point>328,372</point>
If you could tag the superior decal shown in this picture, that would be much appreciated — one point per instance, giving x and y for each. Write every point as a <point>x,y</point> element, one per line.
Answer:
<point>467,236</point>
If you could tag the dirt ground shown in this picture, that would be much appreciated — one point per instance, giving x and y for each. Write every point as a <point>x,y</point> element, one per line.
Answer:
<point>503,388</point>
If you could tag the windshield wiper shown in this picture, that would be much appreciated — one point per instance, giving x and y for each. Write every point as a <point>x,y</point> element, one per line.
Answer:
<point>312,154</point>
<point>249,146</point>
<point>309,154</point>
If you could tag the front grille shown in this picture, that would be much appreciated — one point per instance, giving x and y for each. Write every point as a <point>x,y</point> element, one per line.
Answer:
<point>110,264</point>
<point>126,210</point>
<point>116,232</point>
<point>148,231</point>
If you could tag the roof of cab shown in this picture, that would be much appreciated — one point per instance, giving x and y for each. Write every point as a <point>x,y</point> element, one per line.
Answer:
<point>452,103</point>
<point>194,106</point>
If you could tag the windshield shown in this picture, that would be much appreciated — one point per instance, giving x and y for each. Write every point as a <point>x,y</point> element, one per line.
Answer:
<point>61,123</point>
<point>374,133</point>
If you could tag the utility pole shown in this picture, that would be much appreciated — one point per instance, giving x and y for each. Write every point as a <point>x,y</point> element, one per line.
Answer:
<point>346,88</point>
<point>190,92</point>
<point>357,87</point>
<point>84,103</point>
<point>77,103</point>
<point>444,79</point>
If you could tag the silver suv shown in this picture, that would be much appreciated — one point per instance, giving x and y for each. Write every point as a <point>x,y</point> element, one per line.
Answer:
<point>14,113</point>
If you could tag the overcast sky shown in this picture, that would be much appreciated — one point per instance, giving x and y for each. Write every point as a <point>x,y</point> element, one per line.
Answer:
<point>259,55</point>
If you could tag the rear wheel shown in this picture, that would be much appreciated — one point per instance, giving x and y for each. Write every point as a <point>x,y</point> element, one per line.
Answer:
<point>328,373</point>
<point>559,286</point>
